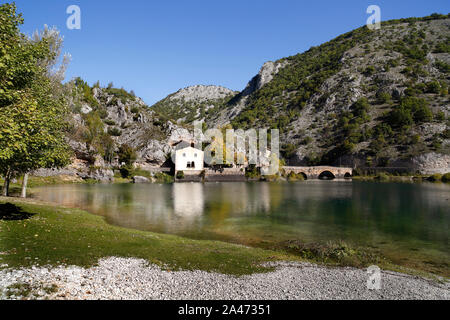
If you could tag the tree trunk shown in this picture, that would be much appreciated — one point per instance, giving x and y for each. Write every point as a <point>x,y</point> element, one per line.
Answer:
<point>24,186</point>
<point>5,190</point>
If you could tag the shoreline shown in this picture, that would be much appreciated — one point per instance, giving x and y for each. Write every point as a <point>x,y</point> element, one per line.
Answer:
<point>135,279</point>
<point>65,242</point>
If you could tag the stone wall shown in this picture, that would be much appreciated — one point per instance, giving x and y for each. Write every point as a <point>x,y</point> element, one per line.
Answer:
<point>315,172</point>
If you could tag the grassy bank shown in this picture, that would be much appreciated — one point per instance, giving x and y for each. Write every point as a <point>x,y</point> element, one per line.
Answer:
<point>35,234</point>
<point>384,177</point>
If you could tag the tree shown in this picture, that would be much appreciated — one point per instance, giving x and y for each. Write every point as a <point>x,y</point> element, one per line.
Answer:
<point>32,104</point>
<point>126,155</point>
<point>400,117</point>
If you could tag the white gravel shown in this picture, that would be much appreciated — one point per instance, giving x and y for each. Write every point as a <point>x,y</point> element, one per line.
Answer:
<point>120,278</point>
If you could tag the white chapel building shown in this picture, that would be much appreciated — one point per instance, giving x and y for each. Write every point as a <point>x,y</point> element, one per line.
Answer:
<point>189,159</point>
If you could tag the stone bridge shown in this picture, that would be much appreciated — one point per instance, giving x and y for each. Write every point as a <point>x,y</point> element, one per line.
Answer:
<point>322,172</point>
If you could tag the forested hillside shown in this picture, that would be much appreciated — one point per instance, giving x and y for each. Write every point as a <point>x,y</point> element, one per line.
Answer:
<point>374,97</point>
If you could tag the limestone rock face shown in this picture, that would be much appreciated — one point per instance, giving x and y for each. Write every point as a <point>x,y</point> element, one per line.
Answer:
<point>201,93</point>
<point>139,179</point>
<point>85,108</point>
<point>194,103</point>
<point>265,75</point>
<point>238,103</point>
<point>178,134</point>
<point>99,174</point>
<point>154,152</point>
<point>431,163</point>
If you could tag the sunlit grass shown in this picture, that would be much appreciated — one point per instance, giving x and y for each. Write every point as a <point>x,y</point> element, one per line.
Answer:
<point>56,235</point>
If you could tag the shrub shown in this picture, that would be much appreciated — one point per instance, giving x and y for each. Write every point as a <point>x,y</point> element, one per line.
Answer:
<point>162,177</point>
<point>307,140</point>
<point>436,143</point>
<point>415,139</point>
<point>126,171</point>
<point>180,175</point>
<point>446,134</point>
<point>423,114</point>
<point>435,177</point>
<point>440,116</point>
<point>126,154</point>
<point>411,108</point>
<point>121,94</point>
<point>433,87</point>
<point>446,177</point>
<point>135,110</point>
<point>442,47</point>
<point>292,176</point>
<point>288,150</point>
<point>110,122</point>
<point>114,132</point>
<point>383,97</point>
<point>102,113</point>
<point>369,70</point>
<point>361,106</point>
<point>382,177</point>
<point>442,66</point>
<point>252,172</point>
<point>400,117</point>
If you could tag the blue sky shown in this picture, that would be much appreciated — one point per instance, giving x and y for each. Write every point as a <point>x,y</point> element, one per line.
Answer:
<point>158,47</point>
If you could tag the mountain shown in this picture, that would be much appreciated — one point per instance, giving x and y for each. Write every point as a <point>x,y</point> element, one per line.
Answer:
<point>194,103</point>
<point>104,120</point>
<point>366,98</point>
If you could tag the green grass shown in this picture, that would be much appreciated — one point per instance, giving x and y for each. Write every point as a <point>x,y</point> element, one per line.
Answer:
<point>62,236</point>
<point>33,182</point>
<point>384,177</point>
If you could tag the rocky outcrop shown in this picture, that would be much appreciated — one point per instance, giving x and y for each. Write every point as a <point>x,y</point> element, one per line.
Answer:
<point>103,175</point>
<point>194,103</point>
<point>155,152</point>
<point>235,105</point>
<point>314,112</point>
<point>200,93</point>
<point>430,163</point>
<point>139,179</point>
<point>264,76</point>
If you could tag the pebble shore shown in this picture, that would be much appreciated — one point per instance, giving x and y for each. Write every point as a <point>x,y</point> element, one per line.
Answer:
<point>128,278</point>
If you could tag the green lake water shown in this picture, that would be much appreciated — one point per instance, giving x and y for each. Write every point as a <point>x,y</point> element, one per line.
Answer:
<point>407,223</point>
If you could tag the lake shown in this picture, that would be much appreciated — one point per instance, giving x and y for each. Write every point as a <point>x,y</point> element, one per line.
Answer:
<point>406,222</point>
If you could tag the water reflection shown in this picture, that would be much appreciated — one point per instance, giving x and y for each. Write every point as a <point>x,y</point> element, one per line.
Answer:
<point>401,215</point>
<point>188,199</point>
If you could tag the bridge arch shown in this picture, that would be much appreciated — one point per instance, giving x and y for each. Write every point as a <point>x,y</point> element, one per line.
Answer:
<point>348,175</point>
<point>305,176</point>
<point>327,175</point>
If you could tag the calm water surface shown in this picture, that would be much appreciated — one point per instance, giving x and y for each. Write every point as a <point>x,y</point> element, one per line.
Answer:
<point>407,222</point>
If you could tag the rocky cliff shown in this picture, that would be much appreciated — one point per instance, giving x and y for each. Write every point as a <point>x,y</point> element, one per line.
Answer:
<point>194,103</point>
<point>366,98</point>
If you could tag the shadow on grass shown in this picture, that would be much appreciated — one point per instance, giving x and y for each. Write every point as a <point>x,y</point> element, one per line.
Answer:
<point>11,212</point>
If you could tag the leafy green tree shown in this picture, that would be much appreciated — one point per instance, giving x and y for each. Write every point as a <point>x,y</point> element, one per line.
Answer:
<point>433,87</point>
<point>361,107</point>
<point>126,154</point>
<point>419,109</point>
<point>32,107</point>
<point>400,117</point>
<point>383,97</point>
